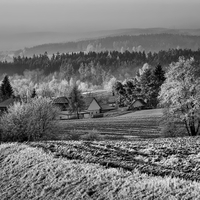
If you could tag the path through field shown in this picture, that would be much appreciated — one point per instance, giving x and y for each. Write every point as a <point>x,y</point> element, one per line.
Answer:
<point>140,124</point>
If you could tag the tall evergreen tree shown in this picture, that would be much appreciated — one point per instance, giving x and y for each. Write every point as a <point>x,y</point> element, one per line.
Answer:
<point>159,75</point>
<point>158,80</point>
<point>151,81</point>
<point>33,95</point>
<point>147,87</point>
<point>6,89</point>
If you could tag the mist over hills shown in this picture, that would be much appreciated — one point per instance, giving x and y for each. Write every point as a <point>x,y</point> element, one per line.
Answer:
<point>151,39</point>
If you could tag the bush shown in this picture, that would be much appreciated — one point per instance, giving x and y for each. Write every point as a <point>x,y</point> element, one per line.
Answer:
<point>74,135</point>
<point>169,130</point>
<point>98,115</point>
<point>92,136</point>
<point>29,121</point>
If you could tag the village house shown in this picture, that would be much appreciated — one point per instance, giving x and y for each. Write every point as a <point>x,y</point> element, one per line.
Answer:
<point>137,104</point>
<point>95,108</point>
<point>62,103</point>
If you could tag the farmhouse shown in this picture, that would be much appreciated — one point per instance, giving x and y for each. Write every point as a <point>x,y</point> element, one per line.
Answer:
<point>94,107</point>
<point>62,103</point>
<point>137,104</point>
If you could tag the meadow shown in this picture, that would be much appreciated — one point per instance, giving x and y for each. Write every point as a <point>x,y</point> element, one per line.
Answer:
<point>138,124</point>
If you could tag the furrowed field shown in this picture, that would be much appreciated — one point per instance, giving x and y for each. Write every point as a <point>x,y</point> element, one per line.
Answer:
<point>148,169</point>
<point>142,168</point>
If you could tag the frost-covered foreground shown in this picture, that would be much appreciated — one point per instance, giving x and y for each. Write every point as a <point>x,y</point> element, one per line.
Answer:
<point>46,170</point>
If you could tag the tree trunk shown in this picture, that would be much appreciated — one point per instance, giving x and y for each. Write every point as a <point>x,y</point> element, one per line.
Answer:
<point>192,130</point>
<point>77,113</point>
<point>192,126</point>
<point>186,125</point>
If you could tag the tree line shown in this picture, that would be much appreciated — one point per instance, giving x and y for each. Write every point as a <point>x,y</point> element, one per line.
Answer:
<point>112,61</point>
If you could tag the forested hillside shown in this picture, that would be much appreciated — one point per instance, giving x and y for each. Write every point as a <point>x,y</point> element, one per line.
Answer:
<point>146,42</point>
<point>114,62</point>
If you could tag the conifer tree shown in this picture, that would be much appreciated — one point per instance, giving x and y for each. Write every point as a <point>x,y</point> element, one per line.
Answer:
<point>6,89</point>
<point>33,95</point>
<point>159,75</point>
<point>147,87</point>
<point>151,81</point>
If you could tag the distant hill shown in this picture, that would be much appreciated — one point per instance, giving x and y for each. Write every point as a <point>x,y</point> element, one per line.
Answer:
<point>152,39</point>
<point>14,41</point>
<point>151,42</point>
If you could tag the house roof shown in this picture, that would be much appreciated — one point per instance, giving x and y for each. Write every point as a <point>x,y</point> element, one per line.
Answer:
<point>88,101</point>
<point>140,100</point>
<point>103,106</point>
<point>94,105</point>
<point>8,102</point>
<point>61,100</point>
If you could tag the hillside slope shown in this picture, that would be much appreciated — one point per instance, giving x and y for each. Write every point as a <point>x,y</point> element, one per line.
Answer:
<point>30,173</point>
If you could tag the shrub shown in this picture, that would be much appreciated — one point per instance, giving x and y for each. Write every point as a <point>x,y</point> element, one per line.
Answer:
<point>169,130</point>
<point>98,115</point>
<point>29,121</point>
<point>92,136</point>
<point>74,135</point>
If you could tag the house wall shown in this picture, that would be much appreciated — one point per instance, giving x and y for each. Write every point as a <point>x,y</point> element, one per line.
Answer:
<point>93,112</point>
<point>70,116</point>
<point>87,115</point>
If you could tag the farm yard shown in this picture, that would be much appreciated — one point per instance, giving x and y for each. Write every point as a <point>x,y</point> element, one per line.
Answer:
<point>138,124</point>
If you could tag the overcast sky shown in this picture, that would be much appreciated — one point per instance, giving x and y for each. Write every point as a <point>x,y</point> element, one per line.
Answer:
<point>92,15</point>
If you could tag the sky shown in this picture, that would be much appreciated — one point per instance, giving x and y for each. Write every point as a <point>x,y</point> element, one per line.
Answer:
<point>95,15</point>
